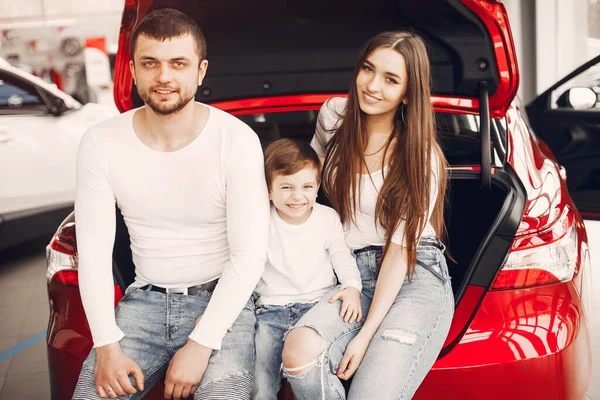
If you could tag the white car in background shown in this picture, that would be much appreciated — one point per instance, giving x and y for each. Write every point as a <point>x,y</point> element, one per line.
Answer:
<point>40,130</point>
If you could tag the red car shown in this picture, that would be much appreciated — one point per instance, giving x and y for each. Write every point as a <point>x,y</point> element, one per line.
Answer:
<point>520,261</point>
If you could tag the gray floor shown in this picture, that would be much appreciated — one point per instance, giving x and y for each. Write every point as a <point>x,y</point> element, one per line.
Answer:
<point>24,313</point>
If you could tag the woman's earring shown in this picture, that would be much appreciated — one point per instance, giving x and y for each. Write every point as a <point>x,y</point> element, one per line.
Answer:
<point>402,114</point>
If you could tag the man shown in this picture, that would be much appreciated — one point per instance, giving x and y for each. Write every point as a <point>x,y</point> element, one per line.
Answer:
<point>189,181</point>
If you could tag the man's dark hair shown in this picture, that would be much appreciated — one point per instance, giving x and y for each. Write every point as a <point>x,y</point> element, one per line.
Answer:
<point>165,24</point>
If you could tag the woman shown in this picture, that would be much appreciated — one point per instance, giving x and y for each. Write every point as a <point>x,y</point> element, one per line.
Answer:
<point>385,175</point>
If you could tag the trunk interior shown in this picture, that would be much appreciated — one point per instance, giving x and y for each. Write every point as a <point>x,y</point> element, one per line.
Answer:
<point>474,216</point>
<point>470,215</point>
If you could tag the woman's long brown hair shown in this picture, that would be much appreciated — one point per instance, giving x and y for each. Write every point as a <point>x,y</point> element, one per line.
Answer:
<point>405,193</point>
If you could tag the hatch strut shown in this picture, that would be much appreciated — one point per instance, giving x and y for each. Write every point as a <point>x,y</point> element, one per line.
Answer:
<point>484,125</point>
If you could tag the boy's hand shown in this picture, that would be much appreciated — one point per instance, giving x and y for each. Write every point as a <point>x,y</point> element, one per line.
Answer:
<point>350,310</point>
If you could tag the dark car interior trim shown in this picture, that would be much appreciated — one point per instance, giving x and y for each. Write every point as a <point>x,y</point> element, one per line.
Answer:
<point>498,213</point>
<point>573,136</point>
<point>123,267</point>
<point>503,205</point>
<point>484,127</point>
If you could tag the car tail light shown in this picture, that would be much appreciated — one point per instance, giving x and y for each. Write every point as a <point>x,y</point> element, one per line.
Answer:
<point>541,258</point>
<point>61,255</point>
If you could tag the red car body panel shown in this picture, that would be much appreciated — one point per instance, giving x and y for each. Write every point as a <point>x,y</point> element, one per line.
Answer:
<point>495,18</point>
<point>503,344</point>
<point>522,344</point>
<point>539,172</point>
<point>314,101</point>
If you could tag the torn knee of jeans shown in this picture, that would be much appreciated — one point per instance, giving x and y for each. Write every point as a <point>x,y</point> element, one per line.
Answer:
<point>399,335</point>
<point>301,371</point>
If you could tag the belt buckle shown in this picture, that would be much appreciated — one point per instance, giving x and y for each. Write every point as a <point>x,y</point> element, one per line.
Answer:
<point>183,291</point>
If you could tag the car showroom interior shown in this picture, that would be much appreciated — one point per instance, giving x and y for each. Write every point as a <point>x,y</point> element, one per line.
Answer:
<point>515,91</point>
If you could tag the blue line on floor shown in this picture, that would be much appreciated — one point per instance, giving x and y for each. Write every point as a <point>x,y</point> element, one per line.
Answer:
<point>23,345</point>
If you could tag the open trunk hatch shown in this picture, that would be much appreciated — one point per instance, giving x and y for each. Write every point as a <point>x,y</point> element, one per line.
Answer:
<point>275,47</point>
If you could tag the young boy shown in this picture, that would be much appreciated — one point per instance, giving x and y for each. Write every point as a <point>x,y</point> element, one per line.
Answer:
<point>306,240</point>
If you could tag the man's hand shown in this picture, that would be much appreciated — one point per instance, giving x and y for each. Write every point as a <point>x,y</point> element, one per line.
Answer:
<point>112,372</point>
<point>350,310</point>
<point>186,370</point>
<point>355,352</point>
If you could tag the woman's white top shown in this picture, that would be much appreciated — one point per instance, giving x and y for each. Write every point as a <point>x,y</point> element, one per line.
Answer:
<point>367,231</point>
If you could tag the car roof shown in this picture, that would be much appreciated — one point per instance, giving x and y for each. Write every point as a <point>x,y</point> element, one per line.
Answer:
<point>270,47</point>
<point>69,101</point>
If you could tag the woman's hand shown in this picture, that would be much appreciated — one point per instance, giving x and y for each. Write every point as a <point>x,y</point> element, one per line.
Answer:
<point>350,310</point>
<point>353,356</point>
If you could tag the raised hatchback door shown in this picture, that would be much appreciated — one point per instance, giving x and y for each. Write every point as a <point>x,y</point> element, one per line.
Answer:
<point>273,47</point>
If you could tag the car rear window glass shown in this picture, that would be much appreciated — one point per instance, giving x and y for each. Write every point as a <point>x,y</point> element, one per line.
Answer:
<point>458,133</point>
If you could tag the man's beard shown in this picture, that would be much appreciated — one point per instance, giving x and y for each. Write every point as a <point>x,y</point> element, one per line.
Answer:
<point>164,107</point>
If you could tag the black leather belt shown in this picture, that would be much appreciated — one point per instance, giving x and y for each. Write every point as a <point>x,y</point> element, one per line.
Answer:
<point>192,290</point>
<point>367,249</point>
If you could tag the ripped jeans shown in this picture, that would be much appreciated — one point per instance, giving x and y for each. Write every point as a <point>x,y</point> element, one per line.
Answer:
<point>406,344</point>
<point>156,325</point>
<point>272,324</point>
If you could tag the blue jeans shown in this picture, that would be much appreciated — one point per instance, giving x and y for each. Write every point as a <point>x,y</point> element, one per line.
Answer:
<point>272,324</point>
<point>406,344</point>
<point>156,325</point>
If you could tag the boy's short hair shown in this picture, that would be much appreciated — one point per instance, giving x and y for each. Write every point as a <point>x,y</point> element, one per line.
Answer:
<point>165,24</point>
<point>289,156</point>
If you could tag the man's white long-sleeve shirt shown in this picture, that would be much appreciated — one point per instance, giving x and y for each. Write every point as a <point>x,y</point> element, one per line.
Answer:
<point>193,215</point>
<point>302,259</point>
